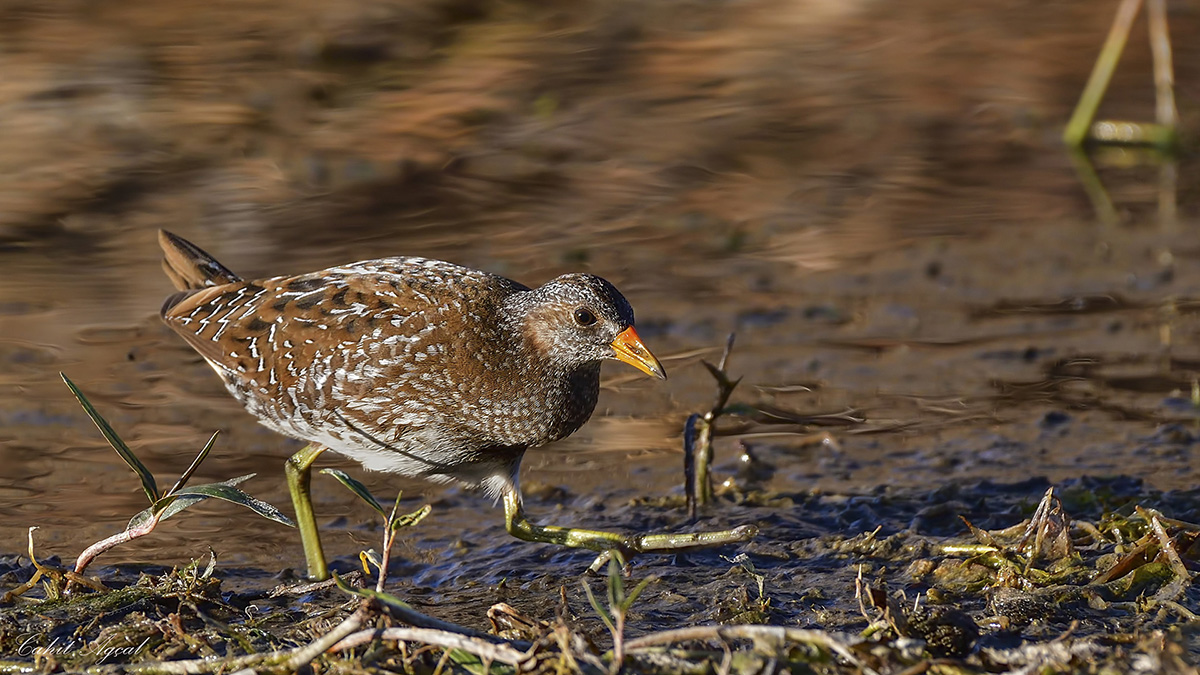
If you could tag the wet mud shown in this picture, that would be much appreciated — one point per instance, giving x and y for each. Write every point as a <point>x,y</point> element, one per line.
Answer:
<point>934,320</point>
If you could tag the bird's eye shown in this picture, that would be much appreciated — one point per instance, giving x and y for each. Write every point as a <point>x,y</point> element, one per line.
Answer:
<point>584,317</point>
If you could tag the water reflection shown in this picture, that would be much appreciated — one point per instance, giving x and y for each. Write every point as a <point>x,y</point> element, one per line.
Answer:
<point>1130,158</point>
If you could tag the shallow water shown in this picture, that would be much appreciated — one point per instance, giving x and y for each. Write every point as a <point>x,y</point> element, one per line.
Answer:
<point>949,289</point>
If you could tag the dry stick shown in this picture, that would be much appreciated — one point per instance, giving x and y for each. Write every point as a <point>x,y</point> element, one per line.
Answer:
<point>565,638</point>
<point>39,571</point>
<point>441,664</point>
<point>665,662</point>
<point>335,640</point>
<point>296,658</point>
<point>1168,548</point>
<point>1036,528</point>
<point>776,634</point>
<point>386,558</point>
<point>305,655</point>
<point>1180,524</point>
<point>54,577</point>
<point>483,649</point>
<point>305,587</point>
<point>389,538</point>
<point>1092,531</point>
<point>727,661</point>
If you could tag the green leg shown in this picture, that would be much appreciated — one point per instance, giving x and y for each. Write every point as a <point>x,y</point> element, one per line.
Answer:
<point>299,476</point>
<point>518,525</point>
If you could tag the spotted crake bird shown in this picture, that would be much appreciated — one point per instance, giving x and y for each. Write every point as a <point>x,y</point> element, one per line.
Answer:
<point>417,367</point>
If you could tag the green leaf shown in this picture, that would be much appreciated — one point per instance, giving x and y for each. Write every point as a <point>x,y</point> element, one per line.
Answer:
<point>608,622</point>
<point>475,665</point>
<point>224,490</point>
<point>187,475</point>
<point>411,519</point>
<point>169,505</point>
<point>466,659</point>
<point>140,518</point>
<point>148,484</point>
<point>358,489</point>
<point>227,492</point>
<point>616,587</point>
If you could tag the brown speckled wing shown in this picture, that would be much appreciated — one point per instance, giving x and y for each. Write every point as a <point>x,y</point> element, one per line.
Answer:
<point>361,342</point>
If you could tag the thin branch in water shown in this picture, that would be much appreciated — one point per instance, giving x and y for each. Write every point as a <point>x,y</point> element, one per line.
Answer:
<point>698,433</point>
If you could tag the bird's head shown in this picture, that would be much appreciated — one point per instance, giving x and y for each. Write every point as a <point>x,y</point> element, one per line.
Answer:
<point>578,319</point>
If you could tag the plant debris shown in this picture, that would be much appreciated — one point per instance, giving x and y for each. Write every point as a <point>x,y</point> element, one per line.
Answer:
<point>1053,593</point>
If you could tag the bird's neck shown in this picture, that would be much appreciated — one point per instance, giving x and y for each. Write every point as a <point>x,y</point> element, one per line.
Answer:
<point>564,394</point>
<point>574,399</point>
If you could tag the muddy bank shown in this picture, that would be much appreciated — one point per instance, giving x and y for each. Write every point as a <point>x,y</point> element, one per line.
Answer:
<point>1029,587</point>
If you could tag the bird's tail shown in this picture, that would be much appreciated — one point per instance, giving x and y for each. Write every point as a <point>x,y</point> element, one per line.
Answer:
<point>190,268</point>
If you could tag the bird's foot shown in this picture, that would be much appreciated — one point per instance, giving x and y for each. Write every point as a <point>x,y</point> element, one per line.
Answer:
<point>610,543</point>
<point>673,543</point>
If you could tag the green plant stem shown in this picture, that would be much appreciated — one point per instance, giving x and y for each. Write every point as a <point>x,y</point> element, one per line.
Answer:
<point>299,478</point>
<point>1085,111</point>
<point>698,435</point>
<point>1164,72</point>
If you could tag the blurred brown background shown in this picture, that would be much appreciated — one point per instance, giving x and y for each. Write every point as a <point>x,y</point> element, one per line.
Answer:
<point>354,120</point>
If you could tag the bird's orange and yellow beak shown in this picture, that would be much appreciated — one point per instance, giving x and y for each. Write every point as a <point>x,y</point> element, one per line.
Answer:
<point>629,348</point>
